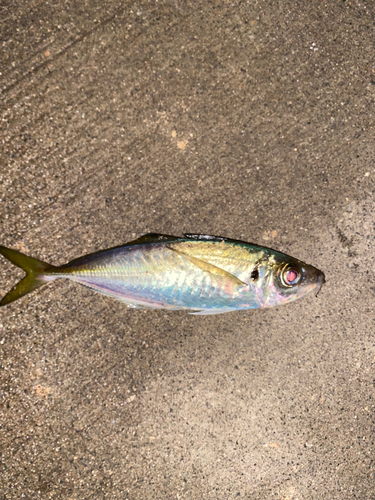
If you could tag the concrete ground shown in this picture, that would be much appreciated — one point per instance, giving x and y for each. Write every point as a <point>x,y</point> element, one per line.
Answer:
<point>247,119</point>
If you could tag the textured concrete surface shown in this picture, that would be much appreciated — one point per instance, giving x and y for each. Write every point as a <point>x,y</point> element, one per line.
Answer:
<point>248,119</point>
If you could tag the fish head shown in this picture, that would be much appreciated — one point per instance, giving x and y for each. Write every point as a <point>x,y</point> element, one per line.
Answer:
<point>291,279</point>
<point>277,279</point>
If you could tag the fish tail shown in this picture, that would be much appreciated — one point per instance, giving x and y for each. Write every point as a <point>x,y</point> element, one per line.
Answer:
<point>36,272</point>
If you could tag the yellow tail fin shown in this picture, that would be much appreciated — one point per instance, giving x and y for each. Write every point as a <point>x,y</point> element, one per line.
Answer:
<point>35,274</point>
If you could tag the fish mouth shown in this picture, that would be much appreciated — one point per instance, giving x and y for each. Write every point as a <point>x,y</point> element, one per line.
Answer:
<point>319,283</point>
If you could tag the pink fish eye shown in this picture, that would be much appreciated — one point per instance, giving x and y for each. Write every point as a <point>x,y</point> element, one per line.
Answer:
<point>291,276</point>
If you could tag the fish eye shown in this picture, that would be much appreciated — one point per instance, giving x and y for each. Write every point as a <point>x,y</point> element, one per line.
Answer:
<point>290,276</point>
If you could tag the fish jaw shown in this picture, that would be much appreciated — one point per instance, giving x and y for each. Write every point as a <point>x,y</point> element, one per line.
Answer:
<point>311,282</point>
<point>320,282</point>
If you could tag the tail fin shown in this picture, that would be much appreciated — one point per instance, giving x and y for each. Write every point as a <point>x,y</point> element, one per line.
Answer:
<point>35,271</point>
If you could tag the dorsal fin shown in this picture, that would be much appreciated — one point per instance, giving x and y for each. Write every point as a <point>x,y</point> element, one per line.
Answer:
<point>208,237</point>
<point>210,268</point>
<point>152,238</point>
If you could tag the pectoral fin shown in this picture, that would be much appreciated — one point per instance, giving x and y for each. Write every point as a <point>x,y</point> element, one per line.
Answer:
<point>210,268</point>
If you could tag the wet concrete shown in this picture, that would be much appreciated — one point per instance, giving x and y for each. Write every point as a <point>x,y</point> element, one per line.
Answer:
<point>252,120</point>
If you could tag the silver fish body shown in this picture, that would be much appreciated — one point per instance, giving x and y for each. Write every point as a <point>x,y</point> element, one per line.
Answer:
<point>198,273</point>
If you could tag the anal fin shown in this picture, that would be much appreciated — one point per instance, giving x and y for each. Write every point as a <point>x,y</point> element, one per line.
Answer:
<point>206,312</point>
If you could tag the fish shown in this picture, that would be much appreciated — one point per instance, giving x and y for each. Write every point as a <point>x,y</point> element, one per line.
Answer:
<point>200,274</point>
